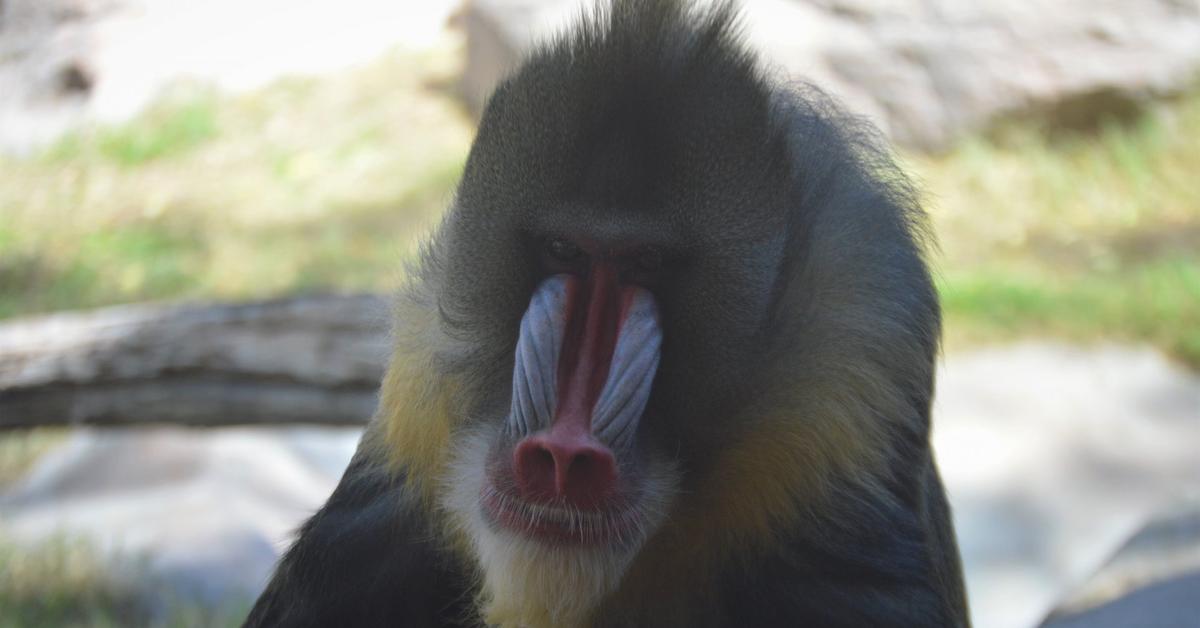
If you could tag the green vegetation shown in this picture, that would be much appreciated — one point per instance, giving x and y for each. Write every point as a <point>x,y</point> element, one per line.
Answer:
<point>1085,237</point>
<point>319,185</point>
<point>59,583</point>
<point>19,450</point>
<point>172,127</point>
<point>66,582</point>
<point>307,185</point>
<point>1156,302</point>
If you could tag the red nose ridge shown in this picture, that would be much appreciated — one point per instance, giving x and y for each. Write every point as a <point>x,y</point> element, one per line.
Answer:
<point>564,466</point>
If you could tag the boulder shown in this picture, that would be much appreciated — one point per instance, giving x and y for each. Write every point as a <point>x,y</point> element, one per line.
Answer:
<point>194,515</point>
<point>1053,456</point>
<point>1151,582</point>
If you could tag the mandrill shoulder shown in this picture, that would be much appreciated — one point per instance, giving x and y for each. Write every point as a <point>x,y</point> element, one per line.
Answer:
<point>365,559</point>
<point>874,563</point>
<point>876,566</point>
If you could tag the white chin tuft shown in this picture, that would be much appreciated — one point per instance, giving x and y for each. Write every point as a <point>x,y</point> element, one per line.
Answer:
<point>529,583</point>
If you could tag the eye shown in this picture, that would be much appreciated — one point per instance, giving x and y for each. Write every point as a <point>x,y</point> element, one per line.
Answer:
<point>563,251</point>
<point>648,260</point>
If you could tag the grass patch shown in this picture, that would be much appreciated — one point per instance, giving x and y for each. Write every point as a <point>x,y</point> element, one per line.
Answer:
<point>174,131</point>
<point>1157,302</point>
<point>19,449</point>
<point>306,185</point>
<point>67,582</point>
<point>61,583</point>
<point>158,258</point>
<point>1085,237</point>
<point>172,127</point>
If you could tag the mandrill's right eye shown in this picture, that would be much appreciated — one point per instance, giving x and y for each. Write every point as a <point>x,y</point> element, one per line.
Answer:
<point>564,251</point>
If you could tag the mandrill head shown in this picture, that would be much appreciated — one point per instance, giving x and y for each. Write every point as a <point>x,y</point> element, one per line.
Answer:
<point>671,306</point>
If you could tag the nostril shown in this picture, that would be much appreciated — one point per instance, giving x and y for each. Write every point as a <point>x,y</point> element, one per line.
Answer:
<point>580,466</point>
<point>591,478</point>
<point>541,461</point>
<point>534,467</point>
<point>540,468</point>
<point>582,474</point>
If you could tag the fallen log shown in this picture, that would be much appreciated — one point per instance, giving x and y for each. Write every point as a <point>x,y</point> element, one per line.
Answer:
<point>302,360</point>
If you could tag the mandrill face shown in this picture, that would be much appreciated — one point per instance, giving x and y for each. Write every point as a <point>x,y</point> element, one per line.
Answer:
<point>609,264</point>
<point>562,491</point>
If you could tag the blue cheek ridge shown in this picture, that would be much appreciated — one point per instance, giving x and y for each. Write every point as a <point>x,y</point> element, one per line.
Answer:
<point>534,397</point>
<point>631,373</point>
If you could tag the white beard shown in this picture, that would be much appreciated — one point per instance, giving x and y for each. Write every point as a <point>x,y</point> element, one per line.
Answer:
<point>529,584</point>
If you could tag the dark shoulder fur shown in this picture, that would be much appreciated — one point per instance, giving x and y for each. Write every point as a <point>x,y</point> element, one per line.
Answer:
<point>367,558</point>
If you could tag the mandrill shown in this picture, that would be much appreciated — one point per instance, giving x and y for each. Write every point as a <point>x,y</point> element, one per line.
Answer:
<point>667,361</point>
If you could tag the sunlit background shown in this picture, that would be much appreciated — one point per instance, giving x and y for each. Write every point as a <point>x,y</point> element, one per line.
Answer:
<point>236,151</point>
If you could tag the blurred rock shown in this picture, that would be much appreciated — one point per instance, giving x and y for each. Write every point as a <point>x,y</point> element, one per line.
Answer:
<point>63,62</point>
<point>1152,582</point>
<point>1172,603</point>
<point>1053,456</point>
<point>926,71</point>
<point>309,359</point>
<point>208,511</point>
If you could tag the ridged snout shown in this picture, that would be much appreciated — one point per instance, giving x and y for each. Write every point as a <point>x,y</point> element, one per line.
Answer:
<point>585,363</point>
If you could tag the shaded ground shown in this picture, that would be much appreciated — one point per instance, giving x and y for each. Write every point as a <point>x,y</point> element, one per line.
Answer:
<point>1151,582</point>
<point>166,526</point>
<point>1052,455</point>
<point>1169,604</point>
